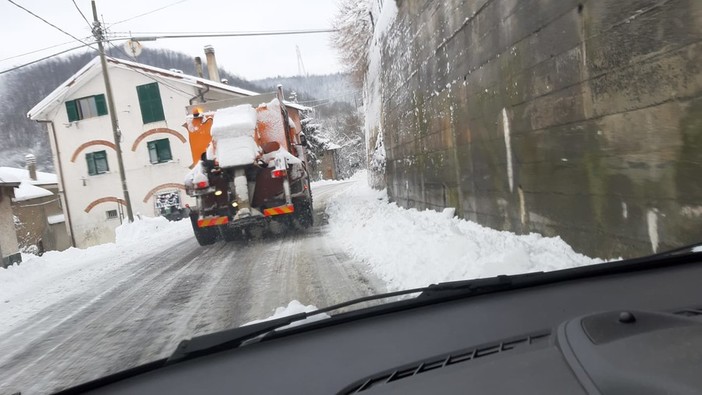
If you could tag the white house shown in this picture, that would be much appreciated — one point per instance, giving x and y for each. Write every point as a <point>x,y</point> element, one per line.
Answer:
<point>150,105</point>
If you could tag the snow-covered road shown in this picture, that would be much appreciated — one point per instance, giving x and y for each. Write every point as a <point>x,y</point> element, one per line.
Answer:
<point>91,320</point>
<point>72,316</point>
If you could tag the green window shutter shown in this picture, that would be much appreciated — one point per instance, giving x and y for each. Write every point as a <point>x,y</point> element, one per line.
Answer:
<point>164,150</point>
<point>91,164</point>
<point>101,105</point>
<point>72,111</point>
<point>153,151</point>
<point>101,162</point>
<point>150,103</point>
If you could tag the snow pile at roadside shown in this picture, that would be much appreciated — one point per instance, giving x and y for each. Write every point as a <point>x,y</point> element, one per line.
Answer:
<point>411,248</point>
<point>41,280</point>
<point>294,307</point>
<point>150,228</point>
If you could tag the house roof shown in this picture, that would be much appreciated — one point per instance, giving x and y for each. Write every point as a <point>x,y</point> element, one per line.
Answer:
<point>43,109</point>
<point>7,179</point>
<point>23,175</point>
<point>27,191</point>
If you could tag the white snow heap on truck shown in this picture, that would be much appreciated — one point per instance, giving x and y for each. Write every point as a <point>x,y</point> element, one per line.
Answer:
<point>233,130</point>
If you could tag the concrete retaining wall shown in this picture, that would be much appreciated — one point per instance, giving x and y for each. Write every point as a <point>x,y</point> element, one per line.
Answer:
<point>581,119</point>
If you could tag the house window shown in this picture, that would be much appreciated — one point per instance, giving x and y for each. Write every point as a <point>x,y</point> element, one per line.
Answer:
<point>87,107</point>
<point>150,103</point>
<point>159,151</point>
<point>111,214</point>
<point>97,162</point>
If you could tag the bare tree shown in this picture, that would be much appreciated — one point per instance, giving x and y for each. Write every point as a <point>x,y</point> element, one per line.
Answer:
<point>354,31</point>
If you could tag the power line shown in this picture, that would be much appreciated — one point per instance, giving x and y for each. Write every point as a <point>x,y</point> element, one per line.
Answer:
<point>151,36</point>
<point>148,12</point>
<point>188,94</point>
<point>49,23</point>
<point>37,50</point>
<point>44,58</point>
<point>81,14</point>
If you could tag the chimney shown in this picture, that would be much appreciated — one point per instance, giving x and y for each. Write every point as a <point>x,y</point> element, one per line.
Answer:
<point>31,166</point>
<point>198,66</point>
<point>212,69</point>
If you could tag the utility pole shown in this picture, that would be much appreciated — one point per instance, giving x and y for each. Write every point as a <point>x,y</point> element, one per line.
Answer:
<point>98,32</point>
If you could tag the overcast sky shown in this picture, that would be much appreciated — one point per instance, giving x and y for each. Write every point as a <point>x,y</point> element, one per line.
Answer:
<point>248,57</point>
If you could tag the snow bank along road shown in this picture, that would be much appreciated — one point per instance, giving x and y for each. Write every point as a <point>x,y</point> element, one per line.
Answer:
<point>70,317</point>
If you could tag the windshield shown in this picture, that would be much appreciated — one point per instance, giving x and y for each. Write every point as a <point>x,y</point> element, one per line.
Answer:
<point>177,168</point>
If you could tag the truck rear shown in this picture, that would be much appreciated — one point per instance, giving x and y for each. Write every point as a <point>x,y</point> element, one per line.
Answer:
<point>250,174</point>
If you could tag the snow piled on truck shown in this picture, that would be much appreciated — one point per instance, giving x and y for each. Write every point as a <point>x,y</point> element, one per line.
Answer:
<point>233,130</point>
<point>412,248</point>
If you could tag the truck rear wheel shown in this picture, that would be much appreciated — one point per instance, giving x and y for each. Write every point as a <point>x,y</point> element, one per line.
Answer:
<point>305,213</point>
<point>204,236</point>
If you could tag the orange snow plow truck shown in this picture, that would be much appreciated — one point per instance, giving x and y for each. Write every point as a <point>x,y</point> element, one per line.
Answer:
<point>250,174</point>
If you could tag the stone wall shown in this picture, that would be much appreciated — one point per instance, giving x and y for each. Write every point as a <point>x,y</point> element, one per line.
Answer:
<point>580,119</point>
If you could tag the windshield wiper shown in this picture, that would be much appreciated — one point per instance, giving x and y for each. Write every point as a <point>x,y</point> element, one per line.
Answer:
<point>235,337</point>
<point>434,293</point>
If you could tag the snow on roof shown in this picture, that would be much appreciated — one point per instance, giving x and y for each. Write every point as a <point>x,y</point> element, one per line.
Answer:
<point>93,68</point>
<point>23,175</point>
<point>27,191</point>
<point>8,178</point>
<point>56,219</point>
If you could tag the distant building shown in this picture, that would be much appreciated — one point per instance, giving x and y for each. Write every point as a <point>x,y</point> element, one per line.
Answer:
<point>9,248</point>
<point>330,163</point>
<point>150,105</point>
<point>39,219</point>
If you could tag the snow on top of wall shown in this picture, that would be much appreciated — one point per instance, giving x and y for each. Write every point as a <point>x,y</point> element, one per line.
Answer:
<point>23,175</point>
<point>372,87</point>
<point>56,219</point>
<point>7,177</point>
<point>387,16</point>
<point>28,191</point>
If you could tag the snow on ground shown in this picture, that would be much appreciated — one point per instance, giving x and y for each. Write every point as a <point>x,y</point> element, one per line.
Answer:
<point>294,307</point>
<point>360,176</point>
<point>411,248</point>
<point>39,281</point>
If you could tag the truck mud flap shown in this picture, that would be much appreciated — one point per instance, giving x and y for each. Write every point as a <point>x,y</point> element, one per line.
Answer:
<point>284,209</point>
<point>212,221</point>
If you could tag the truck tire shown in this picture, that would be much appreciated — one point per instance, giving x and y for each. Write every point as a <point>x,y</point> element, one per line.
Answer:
<point>305,212</point>
<point>204,236</point>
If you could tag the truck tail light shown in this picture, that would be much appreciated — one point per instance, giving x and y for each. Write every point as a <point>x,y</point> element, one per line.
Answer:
<point>280,169</point>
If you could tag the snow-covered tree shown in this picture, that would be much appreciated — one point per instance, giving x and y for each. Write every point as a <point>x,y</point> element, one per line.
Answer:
<point>354,27</point>
<point>341,131</point>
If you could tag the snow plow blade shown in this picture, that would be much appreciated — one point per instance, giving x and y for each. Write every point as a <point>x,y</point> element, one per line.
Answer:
<point>285,209</point>
<point>212,221</point>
